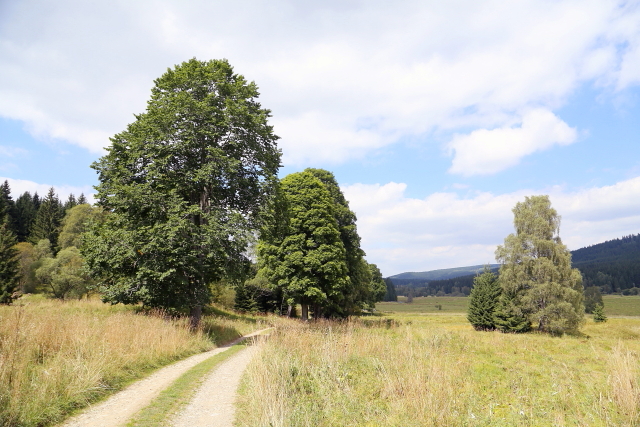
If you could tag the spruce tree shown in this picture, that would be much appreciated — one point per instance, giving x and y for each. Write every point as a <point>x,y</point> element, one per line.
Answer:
<point>9,263</point>
<point>47,222</point>
<point>598,314</point>
<point>26,211</point>
<point>82,199</point>
<point>508,315</point>
<point>8,205</point>
<point>483,301</point>
<point>391,294</point>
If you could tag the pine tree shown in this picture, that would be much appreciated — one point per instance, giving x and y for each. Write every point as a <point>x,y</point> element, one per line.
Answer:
<point>82,199</point>
<point>9,263</point>
<point>598,314</point>
<point>483,301</point>
<point>47,222</point>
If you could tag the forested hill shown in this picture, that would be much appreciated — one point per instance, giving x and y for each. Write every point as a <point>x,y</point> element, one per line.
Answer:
<point>446,273</point>
<point>613,266</point>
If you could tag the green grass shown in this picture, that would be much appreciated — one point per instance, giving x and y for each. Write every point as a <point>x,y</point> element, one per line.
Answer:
<point>614,305</point>
<point>426,305</point>
<point>617,305</point>
<point>171,400</point>
<point>435,370</point>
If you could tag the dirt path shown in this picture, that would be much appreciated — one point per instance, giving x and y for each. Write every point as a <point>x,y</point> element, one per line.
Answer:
<point>119,408</point>
<point>213,404</point>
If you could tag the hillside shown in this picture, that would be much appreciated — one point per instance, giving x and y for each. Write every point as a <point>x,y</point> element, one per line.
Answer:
<point>614,266</point>
<point>442,274</point>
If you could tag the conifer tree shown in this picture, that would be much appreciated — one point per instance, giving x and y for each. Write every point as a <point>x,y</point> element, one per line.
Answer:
<point>536,274</point>
<point>598,314</point>
<point>9,263</point>
<point>70,203</point>
<point>47,222</point>
<point>483,301</point>
<point>8,205</point>
<point>82,199</point>
<point>391,294</point>
<point>26,214</point>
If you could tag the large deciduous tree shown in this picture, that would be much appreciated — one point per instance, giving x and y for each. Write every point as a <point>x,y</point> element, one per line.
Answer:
<point>536,276</point>
<point>182,186</point>
<point>306,258</point>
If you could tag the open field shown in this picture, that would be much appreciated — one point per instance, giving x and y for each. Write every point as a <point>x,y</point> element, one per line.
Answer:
<point>57,356</point>
<point>435,370</point>
<point>614,305</point>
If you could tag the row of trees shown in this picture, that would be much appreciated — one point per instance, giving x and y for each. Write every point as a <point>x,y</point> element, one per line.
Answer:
<point>189,186</point>
<point>309,249</point>
<point>42,267</point>
<point>536,284</point>
<point>32,218</point>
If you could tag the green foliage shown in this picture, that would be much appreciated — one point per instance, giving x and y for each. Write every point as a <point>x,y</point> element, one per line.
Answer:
<point>9,263</point>
<point>483,301</point>
<point>27,260</point>
<point>183,185</point>
<point>76,222</point>
<point>47,221</point>
<point>8,206</point>
<point>363,290</point>
<point>26,214</point>
<point>536,270</point>
<point>64,275</point>
<point>598,314</point>
<point>378,287</point>
<point>390,294</point>
<point>307,261</point>
<point>592,297</point>
<point>508,315</point>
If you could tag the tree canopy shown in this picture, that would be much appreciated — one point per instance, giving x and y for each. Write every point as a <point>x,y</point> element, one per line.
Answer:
<point>536,274</point>
<point>182,187</point>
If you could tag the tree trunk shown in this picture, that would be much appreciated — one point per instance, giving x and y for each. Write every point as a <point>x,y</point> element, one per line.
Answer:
<point>305,312</point>
<point>289,310</point>
<point>194,316</point>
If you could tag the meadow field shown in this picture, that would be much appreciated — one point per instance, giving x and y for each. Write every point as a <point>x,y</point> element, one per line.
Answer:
<point>614,305</point>
<point>430,368</point>
<point>56,357</point>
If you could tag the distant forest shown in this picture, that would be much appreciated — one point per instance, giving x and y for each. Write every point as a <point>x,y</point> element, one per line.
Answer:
<point>613,266</point>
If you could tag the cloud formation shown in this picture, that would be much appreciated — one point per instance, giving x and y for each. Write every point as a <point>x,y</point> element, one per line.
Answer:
<point>343,78</point>
<point>485,151</point>
<point>19,186</point>
<point>446,230</point>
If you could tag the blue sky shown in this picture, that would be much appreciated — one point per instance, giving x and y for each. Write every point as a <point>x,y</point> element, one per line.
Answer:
<point>436,117</point>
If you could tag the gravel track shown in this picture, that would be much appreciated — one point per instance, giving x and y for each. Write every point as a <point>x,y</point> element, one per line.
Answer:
<point>213,403</point>
<point>119,408</point>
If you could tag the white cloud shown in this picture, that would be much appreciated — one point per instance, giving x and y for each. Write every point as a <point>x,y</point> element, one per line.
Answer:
<point>489,151</point>
<point>342,78</point>
<point>19,186</point>
<point>445,230</point>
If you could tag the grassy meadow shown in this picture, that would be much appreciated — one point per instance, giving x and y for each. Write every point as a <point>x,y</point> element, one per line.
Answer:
<point>430,368</point>
<point>614,305</point>
<point>56,357</point>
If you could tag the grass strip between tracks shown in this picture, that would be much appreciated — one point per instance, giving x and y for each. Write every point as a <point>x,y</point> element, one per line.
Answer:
<point>178,394</point>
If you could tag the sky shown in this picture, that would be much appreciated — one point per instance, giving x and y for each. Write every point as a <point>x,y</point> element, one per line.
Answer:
<point>435,117</point>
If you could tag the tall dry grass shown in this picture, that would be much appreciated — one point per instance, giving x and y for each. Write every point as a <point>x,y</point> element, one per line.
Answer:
<point>437,371</point>
<point>58,356</point>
